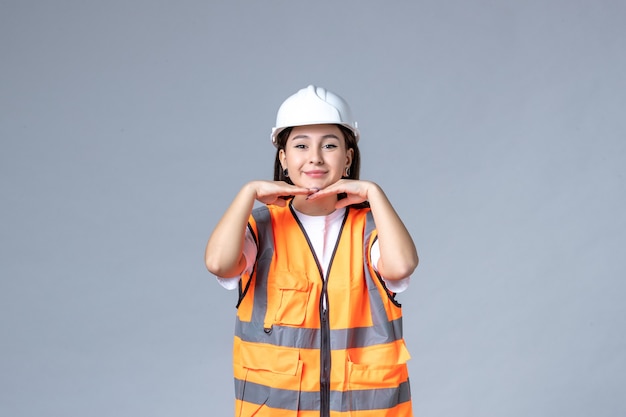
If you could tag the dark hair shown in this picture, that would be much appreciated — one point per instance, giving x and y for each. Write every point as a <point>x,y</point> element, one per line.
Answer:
<point>355,165</point>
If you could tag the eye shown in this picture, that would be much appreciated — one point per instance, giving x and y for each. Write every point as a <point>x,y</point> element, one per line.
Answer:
<point>329,146</point>
<point>299,146</point>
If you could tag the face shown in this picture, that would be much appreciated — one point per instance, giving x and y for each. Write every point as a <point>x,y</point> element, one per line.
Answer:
<point>315,156</point>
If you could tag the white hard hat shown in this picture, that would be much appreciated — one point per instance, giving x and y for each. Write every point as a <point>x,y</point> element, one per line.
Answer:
<point>313,106</point>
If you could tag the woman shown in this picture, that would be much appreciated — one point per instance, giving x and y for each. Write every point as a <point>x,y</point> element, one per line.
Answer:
<point>318,329</point>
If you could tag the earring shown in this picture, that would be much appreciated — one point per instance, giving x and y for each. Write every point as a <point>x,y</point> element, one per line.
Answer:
<point>285,173</point>
<point>347,171</point>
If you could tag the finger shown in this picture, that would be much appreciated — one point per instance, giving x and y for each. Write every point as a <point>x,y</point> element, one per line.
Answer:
<point>319,195</point>
<point>300,191</point>
<point>290,189</point>
<point>326,192</point>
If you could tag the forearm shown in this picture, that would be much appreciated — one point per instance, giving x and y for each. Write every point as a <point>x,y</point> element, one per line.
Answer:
<point>224,250</point>
<point>398,256</point>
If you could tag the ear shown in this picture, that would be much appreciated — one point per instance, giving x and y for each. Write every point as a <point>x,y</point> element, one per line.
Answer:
<point>283,158</point>
<point>349,156</point>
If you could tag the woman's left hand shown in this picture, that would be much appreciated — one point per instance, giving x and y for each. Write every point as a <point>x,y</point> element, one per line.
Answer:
<point>357,191</point>
<point>398,256</point>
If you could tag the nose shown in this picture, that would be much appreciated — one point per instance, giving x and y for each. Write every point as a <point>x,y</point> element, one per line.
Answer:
<point>316,156</point>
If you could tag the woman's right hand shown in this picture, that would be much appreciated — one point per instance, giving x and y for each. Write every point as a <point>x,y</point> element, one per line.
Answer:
<point>223,255</point>
<point>270,192</point>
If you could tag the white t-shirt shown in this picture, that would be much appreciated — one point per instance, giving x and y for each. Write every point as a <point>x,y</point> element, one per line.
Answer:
<point>323,232</point>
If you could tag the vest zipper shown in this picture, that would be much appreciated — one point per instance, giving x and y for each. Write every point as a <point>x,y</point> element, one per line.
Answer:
<point>324,355</point>
<point>324,323</point>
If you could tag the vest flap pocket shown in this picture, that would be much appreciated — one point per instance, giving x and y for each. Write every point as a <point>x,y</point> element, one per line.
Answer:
<point>394,353</point>
<point>383,366</point>
<point>270,358</point>
<point>289,280</point>
<point>293,291</point>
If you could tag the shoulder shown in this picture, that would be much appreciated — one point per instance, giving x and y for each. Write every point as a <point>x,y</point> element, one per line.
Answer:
<point>260,215</point>
<point>363,214</point>
<point>362,220</point>
<point>260,211</point>
<point>264,216</point>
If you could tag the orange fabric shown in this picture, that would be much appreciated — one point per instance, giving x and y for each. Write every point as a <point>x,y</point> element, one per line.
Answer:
<point>293,289</point>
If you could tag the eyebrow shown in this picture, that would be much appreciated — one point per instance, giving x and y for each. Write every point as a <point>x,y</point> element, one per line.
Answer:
<point>329,136</point>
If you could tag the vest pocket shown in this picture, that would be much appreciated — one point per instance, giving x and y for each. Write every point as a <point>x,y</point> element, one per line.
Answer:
<point>370,376</point>
<point>272,379</point>
<point>380,367</point>
<point>378,389</point>
<point>294,292</point>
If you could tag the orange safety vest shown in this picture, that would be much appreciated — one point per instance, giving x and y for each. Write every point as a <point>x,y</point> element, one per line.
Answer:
<point>307,345</point>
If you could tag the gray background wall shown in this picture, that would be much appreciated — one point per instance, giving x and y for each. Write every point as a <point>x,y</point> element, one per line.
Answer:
<point>497,128</point>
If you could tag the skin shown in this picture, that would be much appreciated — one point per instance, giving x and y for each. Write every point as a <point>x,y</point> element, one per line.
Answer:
<point>316,158</point>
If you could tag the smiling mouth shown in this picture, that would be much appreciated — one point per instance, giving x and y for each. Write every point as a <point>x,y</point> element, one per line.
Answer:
<point>315,173</point>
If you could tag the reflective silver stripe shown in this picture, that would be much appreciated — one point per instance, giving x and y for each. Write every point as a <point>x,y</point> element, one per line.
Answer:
<point>366,336</point>
<point>370,399</point>
<point>279,335</point>
<point>377,308</point>
<point>340,401</point>
<point>310,338</point>
<point>276,397</point>
<point>264,259</point>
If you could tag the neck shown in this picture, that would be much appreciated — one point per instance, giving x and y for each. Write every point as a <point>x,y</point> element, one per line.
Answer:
<point>318,207</point>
